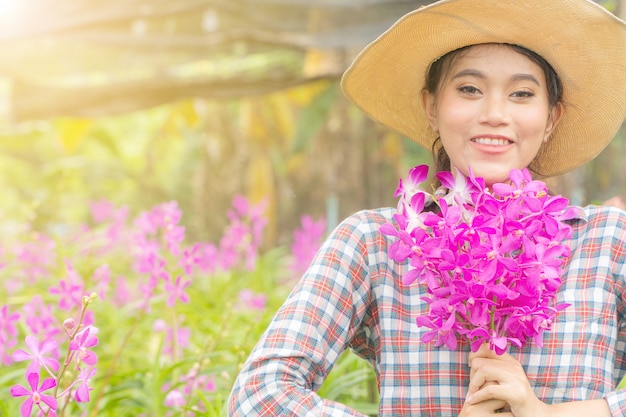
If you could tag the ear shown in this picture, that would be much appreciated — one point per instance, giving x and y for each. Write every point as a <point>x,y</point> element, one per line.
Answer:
<point>430,108</point>
<point>553,120</point>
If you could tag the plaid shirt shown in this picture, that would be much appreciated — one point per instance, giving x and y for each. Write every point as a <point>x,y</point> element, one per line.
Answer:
<point>352,297</point>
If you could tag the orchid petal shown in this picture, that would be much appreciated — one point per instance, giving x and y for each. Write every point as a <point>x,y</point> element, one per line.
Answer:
<point>48,383</point>
<point>27,408</point>
<point>19,391</point>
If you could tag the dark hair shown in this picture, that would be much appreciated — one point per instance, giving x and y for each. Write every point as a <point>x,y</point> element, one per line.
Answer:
<point>440,68</point>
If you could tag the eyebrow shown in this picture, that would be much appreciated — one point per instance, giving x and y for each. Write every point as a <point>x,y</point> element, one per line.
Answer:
<point>479,74</point>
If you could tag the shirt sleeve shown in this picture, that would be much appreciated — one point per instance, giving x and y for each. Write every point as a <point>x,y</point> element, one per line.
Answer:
<point>616,233</point>
<point>314,326</point>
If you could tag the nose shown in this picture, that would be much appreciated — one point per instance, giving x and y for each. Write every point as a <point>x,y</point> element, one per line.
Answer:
<point>494,111</point>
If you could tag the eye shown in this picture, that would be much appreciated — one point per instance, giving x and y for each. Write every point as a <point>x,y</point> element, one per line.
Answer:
<point>468,89</point>
<point>523,94</point>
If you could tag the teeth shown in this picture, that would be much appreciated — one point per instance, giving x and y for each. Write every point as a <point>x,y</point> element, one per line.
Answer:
<point>491,141</point>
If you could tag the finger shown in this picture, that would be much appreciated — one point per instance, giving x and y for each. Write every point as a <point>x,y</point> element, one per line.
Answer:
<point>495,370</point>
<point>477,382</point>
<point>481,363</point>
<point>488,373</point>
<point>484,407</point>
<point>494,392</point>
<point>480,374</point>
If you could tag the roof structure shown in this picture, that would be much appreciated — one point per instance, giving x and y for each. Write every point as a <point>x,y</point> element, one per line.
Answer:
<point>100,57</point>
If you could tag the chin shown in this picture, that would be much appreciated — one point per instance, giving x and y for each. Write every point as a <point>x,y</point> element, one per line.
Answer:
<point>493,176</point>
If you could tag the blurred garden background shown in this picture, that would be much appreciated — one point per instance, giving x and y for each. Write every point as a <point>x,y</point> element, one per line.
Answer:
<point>182,160</point>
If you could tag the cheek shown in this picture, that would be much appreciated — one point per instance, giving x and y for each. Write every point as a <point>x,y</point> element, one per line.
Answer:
<point>453,114</point>
<point>533,123</point>
<point>454,124</point>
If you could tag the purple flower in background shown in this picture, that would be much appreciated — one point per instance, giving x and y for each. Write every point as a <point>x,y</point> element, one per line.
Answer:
<point>70,290</point>
<point>101,211</point>
<point>122,292</point>
<point>206,257</point>
<point>40,319</point>
<point>8,333</point>
<point>491,261</point>
<point>193,381</point>
<point>306,241</point>
<point>84,379</point>
<point>36,257</point>
<point>36,394</point>
<point>104,212</point>
<point>242,238</point>
<point>37,355</point>
<point>145,224</point>
<point>235,241</point>
<point>89,319</point>
<point>208,382</point>
<point>161,216</point>
<point>190,258</point>
<point>152,264</point>
<point>181,338</point>
<point>159,326</point>
<point>102,277</point>
<point>174,399</point>
<point>81,344</point>
<point>176,290</point>
<point>154,246</point>
<point>165,218</point>
<point>167,213</point>
<point>69,294</point>
<point>174,236</point>
<point>8,321</point>
<point>251,300</point>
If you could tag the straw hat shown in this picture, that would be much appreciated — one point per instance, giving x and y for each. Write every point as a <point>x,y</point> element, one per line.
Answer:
<point>584,43</point>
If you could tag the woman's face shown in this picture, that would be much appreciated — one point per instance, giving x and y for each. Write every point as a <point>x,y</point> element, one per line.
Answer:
<point>491,111</point>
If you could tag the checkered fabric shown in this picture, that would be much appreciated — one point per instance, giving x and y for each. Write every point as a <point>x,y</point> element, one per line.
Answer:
<point>352,297</point>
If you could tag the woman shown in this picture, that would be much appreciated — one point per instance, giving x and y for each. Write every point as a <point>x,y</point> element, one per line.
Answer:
<point>489,85</point>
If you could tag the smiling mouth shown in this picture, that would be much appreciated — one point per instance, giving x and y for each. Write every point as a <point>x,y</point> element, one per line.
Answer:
<point>492,141</point>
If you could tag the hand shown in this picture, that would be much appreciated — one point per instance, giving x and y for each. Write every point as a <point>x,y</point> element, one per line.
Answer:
<point>484,408</point>
<point>502,378</point>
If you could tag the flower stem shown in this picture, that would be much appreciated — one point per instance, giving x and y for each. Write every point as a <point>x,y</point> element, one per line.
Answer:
<point>118,354</point>
<point>69,355</point>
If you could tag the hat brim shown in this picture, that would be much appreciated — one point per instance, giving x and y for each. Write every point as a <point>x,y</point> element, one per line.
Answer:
<point>584,43</point>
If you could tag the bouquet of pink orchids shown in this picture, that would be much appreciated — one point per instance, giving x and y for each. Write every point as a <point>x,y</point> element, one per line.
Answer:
<point>491,260</point>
